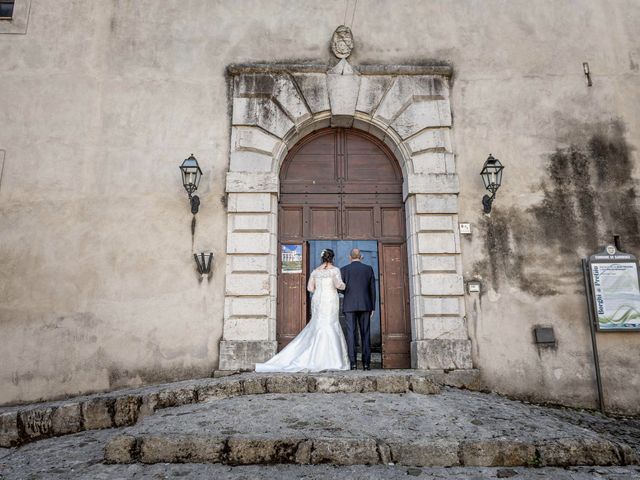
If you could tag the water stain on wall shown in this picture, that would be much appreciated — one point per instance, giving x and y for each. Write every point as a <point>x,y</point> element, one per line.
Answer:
<point>588,196</point>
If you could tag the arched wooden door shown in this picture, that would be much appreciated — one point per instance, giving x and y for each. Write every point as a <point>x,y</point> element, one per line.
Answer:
<point>346,185</point>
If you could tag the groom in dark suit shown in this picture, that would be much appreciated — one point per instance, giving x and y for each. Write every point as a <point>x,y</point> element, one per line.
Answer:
<point>358,305</point>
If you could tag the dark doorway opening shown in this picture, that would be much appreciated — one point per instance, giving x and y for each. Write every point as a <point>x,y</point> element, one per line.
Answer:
<point>342,249</point>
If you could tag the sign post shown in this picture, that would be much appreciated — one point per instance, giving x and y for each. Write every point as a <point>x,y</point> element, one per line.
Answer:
<point>592,328</point>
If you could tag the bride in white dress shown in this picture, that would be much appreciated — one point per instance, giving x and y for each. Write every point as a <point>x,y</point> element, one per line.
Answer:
<point>321,344</point>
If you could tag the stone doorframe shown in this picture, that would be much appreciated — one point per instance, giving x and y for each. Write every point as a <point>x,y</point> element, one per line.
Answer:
<point>408,108</point>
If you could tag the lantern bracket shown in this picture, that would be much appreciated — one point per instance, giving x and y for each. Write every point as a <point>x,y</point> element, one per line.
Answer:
<point>195,203</point>
<point>487,201</point>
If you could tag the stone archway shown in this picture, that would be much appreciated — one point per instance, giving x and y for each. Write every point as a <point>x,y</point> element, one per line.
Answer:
<point>405,107</point>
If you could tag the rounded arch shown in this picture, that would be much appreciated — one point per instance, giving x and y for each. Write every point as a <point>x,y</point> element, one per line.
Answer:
<point>342,188</point>
<point>310,165</point>
<point>381,133</point>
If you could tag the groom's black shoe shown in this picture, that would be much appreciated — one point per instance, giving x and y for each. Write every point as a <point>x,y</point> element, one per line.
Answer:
<point>353,367</point>
<point>366,367</point>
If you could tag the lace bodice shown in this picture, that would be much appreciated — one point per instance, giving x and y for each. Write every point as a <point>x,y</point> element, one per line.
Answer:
<point>321,344</point>
<point>331,273</point>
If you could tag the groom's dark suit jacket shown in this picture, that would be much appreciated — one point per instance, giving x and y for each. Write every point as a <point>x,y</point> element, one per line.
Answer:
<point>360,293</point>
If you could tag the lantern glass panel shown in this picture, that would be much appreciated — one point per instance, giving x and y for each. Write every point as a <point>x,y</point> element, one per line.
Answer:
<point>492,174</point>
<point>499,176</point>
<point>191,174</point>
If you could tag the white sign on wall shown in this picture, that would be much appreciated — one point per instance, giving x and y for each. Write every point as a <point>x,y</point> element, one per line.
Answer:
<point>616,291</point>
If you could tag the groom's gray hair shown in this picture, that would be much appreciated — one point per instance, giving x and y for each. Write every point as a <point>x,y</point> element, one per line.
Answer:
<point>355,253</point>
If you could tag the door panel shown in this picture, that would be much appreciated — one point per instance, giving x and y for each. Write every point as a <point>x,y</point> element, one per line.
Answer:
<point>359,222</point>
<point>392,222</point>
<point>396,324</point>
<point>291,222</point>
<point>325,222</point>
<point>292,300</point>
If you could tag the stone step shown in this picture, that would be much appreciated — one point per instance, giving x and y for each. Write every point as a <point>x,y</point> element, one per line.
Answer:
<point>455,428</point>
<point>23,424</point>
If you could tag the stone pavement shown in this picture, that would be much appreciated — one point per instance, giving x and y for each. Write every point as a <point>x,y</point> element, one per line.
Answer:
<point>24,424</point>
<point>450,429</point>
<point>398,422</point>
<point>79,456</point>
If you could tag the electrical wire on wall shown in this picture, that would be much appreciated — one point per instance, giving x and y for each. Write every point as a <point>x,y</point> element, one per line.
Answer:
<point>353,14</point>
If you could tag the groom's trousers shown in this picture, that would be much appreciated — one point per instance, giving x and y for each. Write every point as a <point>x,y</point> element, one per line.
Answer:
<point>362,319</point>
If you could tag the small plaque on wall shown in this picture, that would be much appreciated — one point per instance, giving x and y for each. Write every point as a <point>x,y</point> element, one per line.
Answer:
<point>291,258</point>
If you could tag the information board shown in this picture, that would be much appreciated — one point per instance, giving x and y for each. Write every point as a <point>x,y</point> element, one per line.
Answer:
<point>615,290</point>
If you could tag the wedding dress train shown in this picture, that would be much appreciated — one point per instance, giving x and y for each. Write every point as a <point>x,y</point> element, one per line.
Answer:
<point>321,344</point>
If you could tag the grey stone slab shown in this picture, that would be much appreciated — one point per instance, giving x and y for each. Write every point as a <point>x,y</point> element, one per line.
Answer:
<point>97,413</point>
<point>242,355</point>
<point>441,354</point>
<point>453,428</point>
<point>249,182</point>
<point>66,419</point>
<point>222,389</point>
<point>186,449</point>
<point>126,410</point>
<point>36,422</point>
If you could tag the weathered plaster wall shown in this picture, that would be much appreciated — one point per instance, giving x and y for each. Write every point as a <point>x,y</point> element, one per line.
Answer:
<point>102,100</point>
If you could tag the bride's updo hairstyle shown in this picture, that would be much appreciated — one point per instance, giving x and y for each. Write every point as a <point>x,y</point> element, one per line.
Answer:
<point>327,255</point>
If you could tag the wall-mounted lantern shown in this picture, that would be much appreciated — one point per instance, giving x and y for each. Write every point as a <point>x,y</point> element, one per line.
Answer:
<point>203,262</point>
<point>492,177</point>
<point>191,175</point>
